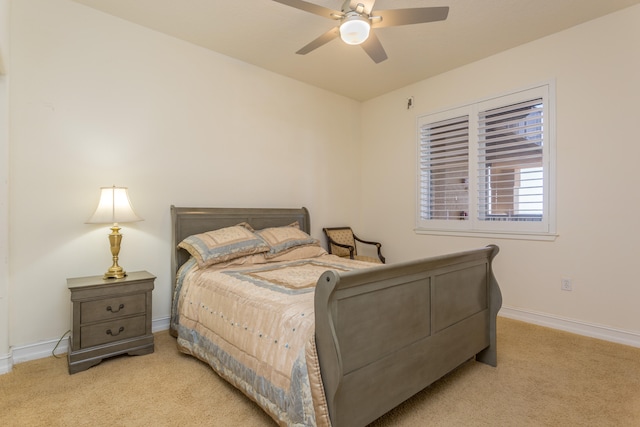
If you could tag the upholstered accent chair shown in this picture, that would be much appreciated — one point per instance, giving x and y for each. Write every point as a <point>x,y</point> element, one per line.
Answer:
<point>342,242</point>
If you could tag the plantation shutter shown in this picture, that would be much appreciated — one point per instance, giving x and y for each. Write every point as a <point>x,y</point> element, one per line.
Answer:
<point>444,169</point>
<point>510,162</point>
<point>489,167</point>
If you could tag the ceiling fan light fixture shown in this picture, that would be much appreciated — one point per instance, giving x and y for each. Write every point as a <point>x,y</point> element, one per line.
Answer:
<point>354,29</point>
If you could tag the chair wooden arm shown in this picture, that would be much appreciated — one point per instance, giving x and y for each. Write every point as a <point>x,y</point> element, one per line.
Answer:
<point>369,242</point>
<point>351,248</point>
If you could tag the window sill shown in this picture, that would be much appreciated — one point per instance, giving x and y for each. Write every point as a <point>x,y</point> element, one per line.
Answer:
<point>547,237</point>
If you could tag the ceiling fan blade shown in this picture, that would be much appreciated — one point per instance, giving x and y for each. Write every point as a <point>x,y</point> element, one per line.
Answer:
<point>323,39</point>
<point>374,48</point>
<point>417,15</point>
<point>312,8</point>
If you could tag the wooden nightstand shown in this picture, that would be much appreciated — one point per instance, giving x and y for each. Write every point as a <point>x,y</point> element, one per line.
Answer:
<point>109,317</point>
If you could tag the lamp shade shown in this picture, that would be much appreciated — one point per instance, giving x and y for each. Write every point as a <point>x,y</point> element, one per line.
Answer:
<point>114,207</point>
<point>354,29</point>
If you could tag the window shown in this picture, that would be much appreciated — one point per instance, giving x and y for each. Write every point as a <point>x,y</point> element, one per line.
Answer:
<point>488,167</point>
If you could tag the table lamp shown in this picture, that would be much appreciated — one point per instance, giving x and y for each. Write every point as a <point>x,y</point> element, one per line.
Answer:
<point>114,207</point>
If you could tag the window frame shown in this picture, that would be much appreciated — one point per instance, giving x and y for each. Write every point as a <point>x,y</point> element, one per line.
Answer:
<point>544,229</point>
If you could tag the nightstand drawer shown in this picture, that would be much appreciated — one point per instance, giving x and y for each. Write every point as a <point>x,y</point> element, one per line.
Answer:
<point>112,308</point>
<point>106,332</point>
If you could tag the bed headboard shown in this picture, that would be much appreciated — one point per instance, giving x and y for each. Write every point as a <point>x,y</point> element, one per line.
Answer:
<point>188,221</point>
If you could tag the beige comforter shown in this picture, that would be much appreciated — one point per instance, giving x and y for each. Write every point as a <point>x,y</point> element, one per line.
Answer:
<point>253,322</point>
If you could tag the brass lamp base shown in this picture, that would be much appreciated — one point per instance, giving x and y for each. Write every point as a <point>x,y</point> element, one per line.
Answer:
<point>115,271</point>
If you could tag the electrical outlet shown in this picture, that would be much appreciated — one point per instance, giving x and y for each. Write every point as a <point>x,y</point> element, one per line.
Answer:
<point>566,284</point>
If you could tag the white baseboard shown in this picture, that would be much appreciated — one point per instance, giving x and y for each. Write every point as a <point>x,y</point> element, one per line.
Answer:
<point>162,324</point>
<point>25,353</point>
<point>5,363</point>
<point>574,326</point>
<point>43,349</point>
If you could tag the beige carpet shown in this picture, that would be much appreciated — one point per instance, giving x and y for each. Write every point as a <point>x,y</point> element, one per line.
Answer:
<point>544,378</point>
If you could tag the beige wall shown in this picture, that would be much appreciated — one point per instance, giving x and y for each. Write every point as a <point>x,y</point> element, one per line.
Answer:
<point>595,67</point>
<point>4,176</point>
<point>97,101</point>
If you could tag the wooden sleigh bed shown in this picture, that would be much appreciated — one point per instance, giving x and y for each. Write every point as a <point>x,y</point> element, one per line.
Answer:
<point>382,333</point>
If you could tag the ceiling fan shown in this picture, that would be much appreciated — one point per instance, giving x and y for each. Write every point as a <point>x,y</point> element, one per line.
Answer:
<point>357,19</point>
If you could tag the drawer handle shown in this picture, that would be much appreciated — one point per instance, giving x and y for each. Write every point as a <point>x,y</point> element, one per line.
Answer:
<point>120,307</point>
<point>116,334</point>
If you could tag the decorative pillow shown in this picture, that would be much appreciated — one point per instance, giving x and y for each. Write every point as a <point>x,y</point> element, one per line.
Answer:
<point>224,244</point>
<point>283,239</point>
<point>296,253</point>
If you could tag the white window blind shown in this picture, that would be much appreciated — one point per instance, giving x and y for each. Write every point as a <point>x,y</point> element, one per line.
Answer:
<point>510,143</point>
<point>444,166</point>
<point>488,167</point>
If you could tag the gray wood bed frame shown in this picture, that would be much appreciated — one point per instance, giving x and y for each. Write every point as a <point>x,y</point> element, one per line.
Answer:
<point>385,333</point>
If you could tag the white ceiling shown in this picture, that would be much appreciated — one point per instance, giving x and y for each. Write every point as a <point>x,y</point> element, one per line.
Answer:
<point>267,34</point>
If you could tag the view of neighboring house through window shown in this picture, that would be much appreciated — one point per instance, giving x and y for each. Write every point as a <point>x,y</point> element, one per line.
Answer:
<point>487,167</point>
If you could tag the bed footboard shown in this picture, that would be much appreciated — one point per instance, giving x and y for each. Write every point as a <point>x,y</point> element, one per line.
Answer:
<point>385,333</point>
